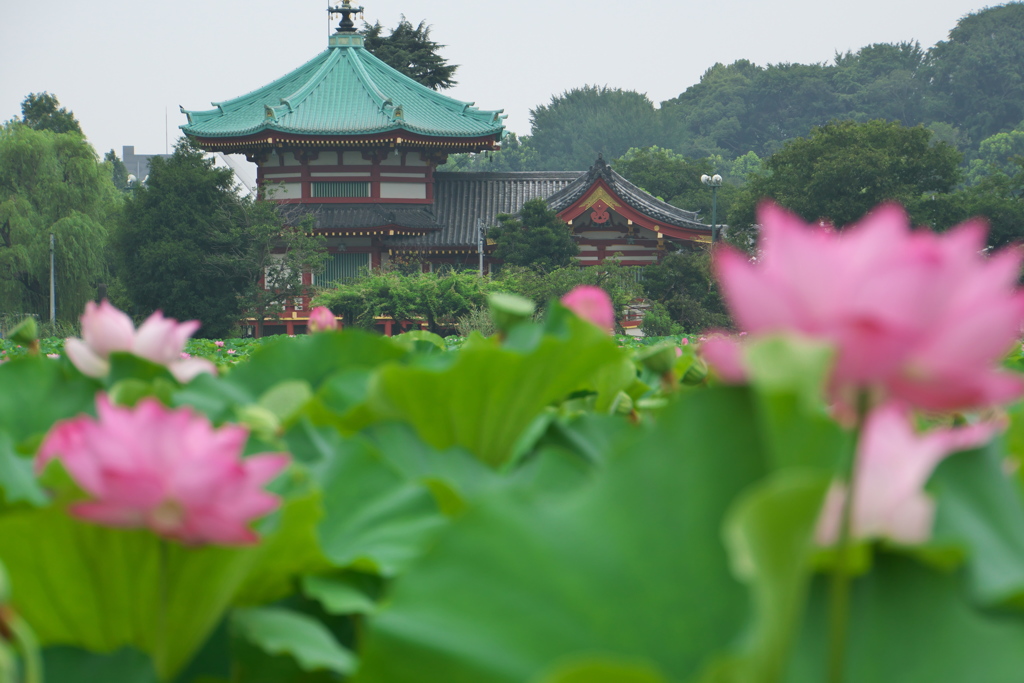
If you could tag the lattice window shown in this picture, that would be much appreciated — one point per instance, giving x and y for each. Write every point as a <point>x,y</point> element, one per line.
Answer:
<point>322,190</point>
<point>342,266</point>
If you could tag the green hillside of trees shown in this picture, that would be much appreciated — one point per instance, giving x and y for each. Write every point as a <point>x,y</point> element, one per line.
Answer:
<point>964,89</point>
<point>940,130</point>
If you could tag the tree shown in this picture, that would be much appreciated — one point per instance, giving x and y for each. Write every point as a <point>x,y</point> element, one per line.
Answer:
<point>663,173</point>
<point>536,238</point>
<point>741,167</point>
<point>845,169</point>
<point>998,197</point>
<point>43,112</point>
<point>978,73</point>
<point>882,81</point>
<point>278,255</point>
<point>542,287</point>
<point>118,171</point>
<point>516,154</point>
<point>181,246</point>
<point>675,178</point>
<point>575,127</point>
<point>997,154</point>
<point>683,284</point>
<point>52,183</point>
<point>409,50</point>
<point>744,107</point>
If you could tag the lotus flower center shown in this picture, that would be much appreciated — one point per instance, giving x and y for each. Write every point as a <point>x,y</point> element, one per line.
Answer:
<point>917,372</point>
<point>167,517</point>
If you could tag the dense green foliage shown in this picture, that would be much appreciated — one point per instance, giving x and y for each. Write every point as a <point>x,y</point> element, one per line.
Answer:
<point>190,246</point>
<point>619,282</point>
<point>647,527</point>
<point>976,75</point>
<point>998,197</point>
<point>276,256</point>
<point>744,107</point>
<point>43,112</point>
<point>436,297</point>
<point>675,178</point>
<point>535,237</point>
<point>965,90</point>
<point>517,154</point>
<point>118,171</point>
<point>844,169</point>
<point>409,50</point>
<point>442,298</point>
<point>177,247</point>
<point>575,127</point>
<point>997,154</point>
<point>683,288</point>
<point>52,183</point>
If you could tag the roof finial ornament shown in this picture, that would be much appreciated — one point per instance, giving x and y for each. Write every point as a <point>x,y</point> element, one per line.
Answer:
<point>346,10</point>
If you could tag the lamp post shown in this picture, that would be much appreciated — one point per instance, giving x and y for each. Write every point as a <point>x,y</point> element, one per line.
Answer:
<point>714,182</point>
<point>481,243</point>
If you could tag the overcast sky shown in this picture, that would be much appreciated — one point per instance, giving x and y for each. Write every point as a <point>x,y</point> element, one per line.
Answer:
<point>120,65</point>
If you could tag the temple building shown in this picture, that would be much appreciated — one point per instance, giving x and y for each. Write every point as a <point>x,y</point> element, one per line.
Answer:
<point>357,144</point>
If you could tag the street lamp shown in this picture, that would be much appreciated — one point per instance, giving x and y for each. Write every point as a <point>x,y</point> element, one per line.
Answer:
<point>714,182</point>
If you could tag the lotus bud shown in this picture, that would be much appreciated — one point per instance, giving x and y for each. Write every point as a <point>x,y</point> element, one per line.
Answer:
<point>593,304</point>
<point>623,404</point>
<point>659,359</point>
<point>25,333</point>
<point>261,421</point>
<point>696,373</point>
<point>508,310</point>
<point>321,320</point>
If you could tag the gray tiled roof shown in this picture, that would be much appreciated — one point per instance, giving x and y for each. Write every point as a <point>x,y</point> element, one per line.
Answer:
<point>630,193</point>
<point>337,216</point>
<point>461,198</point>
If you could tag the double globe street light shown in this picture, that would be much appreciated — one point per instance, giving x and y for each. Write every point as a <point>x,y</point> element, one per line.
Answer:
<point>714,182</point>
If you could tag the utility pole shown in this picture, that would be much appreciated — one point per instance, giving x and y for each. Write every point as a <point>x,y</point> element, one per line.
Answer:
<point>53,302</point>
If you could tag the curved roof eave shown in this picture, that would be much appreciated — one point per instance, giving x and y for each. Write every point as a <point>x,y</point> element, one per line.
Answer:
<point>344,91</point>
<point>636,198</point>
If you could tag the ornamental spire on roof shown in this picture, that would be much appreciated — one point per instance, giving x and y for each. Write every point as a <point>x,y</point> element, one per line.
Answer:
<point>345,96</point>
<point>346,11</point>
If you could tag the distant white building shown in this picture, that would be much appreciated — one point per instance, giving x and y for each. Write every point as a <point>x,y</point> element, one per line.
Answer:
<point>137,164</point>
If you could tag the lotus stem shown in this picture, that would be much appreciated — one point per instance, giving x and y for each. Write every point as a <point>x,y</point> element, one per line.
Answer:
<point>28,649</point>
<point>163,579</point>
<point>839,587</point>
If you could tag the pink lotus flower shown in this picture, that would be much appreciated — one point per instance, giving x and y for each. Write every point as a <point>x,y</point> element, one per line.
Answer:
<point>321,319</point>
<point>218,343</point>
<point>893,465</point>
<point>725,355</point>
<point>921,317</point>
<point>231,351</point>
<point>106,330</point>
<point>593,304</point>
<point>166,470</point>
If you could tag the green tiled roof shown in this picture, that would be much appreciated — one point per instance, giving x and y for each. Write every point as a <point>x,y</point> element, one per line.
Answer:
<point>344,91</point>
